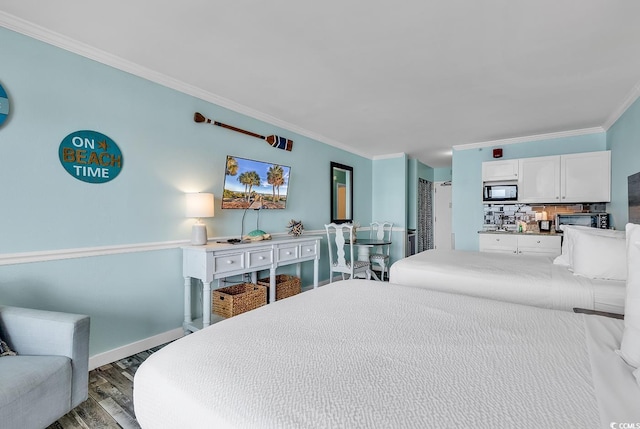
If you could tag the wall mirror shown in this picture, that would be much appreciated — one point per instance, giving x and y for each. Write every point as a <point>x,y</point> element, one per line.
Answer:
<point>341,193</point>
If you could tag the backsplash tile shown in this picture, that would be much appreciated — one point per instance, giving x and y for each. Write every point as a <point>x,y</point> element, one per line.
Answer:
<point>509,215</point>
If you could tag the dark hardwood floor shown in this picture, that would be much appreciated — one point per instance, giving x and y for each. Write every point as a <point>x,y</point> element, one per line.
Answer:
<point>110,403</point>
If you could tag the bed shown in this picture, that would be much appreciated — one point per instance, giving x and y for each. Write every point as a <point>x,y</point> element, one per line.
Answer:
<point>521,279</point>
<point>361,353</point>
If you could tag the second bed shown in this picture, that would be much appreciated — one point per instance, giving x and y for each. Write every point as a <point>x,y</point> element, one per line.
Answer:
<point>528,280</point>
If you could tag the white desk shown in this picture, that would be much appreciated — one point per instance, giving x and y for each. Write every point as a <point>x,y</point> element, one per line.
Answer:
<point>215,261</point>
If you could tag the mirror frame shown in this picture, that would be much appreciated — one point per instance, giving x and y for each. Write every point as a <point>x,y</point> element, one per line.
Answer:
<point>334,216</point>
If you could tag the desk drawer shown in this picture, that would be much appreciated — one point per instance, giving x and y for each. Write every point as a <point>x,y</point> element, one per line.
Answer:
<point>287,253</point>
<point>260,258</point>
<point>308,250</point>
<point>229,262</point>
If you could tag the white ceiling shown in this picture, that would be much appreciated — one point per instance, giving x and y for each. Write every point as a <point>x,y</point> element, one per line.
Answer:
<point>374,77</point>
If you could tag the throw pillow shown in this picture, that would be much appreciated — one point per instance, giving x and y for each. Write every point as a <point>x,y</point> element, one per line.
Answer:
<point>568,241</point>
<point>630,345</point>
<point>5,350</point>
<point>599,257</point>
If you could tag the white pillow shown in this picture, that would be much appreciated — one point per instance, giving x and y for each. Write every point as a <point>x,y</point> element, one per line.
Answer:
<point>630,346</point>
<point>599,257</point>
<point>570,232</point>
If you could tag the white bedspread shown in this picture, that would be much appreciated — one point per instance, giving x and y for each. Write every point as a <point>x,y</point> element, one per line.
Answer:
<point>522,279</point>
<point>359,354</point>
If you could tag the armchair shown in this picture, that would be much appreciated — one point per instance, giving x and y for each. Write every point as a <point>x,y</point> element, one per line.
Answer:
<point>49,376</point>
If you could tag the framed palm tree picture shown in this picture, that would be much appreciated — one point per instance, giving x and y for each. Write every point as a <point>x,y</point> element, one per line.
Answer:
<point>254,184</point>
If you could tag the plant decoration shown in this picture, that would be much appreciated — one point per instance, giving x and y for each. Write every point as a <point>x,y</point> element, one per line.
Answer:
<point>296,228</point>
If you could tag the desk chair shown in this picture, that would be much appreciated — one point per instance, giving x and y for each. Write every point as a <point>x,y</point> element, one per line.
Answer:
<point>338,263</point>
<point>379,258</point>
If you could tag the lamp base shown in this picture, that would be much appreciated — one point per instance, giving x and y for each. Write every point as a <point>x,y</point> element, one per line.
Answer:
<point>199,234</point>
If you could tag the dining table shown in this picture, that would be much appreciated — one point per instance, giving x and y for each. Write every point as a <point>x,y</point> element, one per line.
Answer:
<point>364,246</point>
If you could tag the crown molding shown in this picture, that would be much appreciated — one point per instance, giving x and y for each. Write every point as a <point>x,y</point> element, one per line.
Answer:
<point>37,32</point>
<point>631,98</point>
<point>389,156</point>
<point>524,139</point>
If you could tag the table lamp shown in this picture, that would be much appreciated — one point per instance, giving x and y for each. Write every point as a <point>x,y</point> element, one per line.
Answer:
<point>199,205</point>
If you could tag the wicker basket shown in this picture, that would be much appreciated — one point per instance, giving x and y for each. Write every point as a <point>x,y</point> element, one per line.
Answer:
<point>233,300</point>
<point>286,286</point>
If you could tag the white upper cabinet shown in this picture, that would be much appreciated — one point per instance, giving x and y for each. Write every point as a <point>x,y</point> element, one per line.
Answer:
<point>539,180</point>
<point>500,170</point>
<point>572,178</point>
<point>586,177</point>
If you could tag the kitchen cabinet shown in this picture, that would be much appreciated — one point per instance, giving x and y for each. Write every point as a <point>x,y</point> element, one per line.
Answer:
<point>572,178</point>
<point>534,244</point>
<point>585,177</point>
<point>539,181</point>
<point>499,243</point>
<point>500,170</point>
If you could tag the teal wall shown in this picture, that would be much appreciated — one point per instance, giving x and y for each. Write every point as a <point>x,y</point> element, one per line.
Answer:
<point>442,174</point>
<point>467,178</point>
<point>623,138</point>
<point>413,167</point>
<point>136,295</point>
<point>389,199</point>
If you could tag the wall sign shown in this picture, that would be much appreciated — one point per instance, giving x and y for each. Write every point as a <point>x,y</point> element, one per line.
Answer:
<point>4,105</point>
<point>90,156</point>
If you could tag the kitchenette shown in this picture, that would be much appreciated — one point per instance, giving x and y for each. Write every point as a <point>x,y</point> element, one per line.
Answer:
<point>527,200</point>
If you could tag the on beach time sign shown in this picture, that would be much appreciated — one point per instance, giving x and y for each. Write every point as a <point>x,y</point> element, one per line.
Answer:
<point>4,105</point>
<point>90,156</point>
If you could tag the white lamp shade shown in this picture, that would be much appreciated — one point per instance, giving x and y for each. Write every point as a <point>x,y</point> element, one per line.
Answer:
<point>199,205</point>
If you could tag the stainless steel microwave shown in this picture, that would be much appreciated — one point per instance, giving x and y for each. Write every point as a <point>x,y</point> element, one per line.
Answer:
<point>593,220</point>
<point>500,192</point>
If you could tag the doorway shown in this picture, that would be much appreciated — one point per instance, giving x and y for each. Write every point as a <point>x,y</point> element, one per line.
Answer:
<point>442,216</point>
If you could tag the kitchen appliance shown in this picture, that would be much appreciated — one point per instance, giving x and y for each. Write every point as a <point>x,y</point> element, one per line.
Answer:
<point>496,191</point>
<point>593,220</point>
<point>544,225</point>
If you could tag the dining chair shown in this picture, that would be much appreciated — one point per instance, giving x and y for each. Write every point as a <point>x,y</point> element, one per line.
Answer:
<point>379,257</point>
<point>338,260</point>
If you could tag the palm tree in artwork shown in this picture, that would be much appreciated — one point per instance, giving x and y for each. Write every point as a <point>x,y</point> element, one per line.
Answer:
<point>275,177</point>
<point>232,166</point>
<point>279,183</point>
<point>245,179</point>
<point>253,180</point>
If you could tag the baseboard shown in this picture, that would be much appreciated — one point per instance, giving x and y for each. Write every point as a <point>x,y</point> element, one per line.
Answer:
<point>100,359</point>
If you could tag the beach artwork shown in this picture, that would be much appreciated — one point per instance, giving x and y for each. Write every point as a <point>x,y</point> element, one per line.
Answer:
<point>254,184</point>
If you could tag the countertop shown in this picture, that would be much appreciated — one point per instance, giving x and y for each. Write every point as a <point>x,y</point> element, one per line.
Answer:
<point>520,233</point>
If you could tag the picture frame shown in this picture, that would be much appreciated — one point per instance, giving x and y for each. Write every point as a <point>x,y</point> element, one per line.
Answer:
<point>255,184</point>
